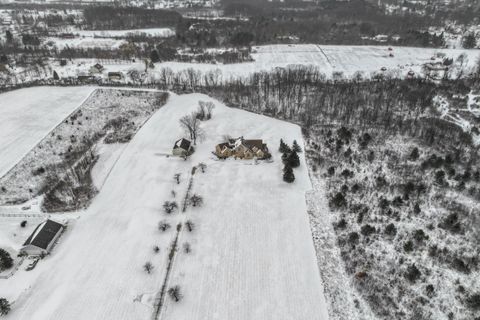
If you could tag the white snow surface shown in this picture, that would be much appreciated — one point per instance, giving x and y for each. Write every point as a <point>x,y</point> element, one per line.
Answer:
<point>28,115</point>
<point>153,32</point>
<point>332,58</point>
<point>252,251</point>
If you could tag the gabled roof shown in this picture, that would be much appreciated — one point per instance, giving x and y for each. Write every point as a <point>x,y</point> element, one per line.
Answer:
<point>98,66</point>
<point>43,234</point>
<point>182,144</point>
<point>253,143</point>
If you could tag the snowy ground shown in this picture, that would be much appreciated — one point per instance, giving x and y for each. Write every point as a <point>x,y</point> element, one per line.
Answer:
<point>329,59</point>
<point>252,252</point>
<point>345,60</point>
<point>152,32</point>
<point>28,115</point>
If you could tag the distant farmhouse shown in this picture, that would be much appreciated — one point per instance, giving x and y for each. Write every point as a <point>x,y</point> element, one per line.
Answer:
<point>97,68</point>
<point>182,148</point>
<point>115,76</point>
<point>243,149</point>
<point>43,238</point>
<point>435,71</point>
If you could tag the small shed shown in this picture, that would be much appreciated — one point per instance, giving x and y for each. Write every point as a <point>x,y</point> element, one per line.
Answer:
<point>97,68</point>
<point>43,238</point>
<point>182,148</point>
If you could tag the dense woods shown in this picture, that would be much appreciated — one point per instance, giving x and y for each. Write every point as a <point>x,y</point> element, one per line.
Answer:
<point>111,18</point>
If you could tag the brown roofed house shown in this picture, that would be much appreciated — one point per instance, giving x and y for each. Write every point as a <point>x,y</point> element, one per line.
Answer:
<point>243,149</point>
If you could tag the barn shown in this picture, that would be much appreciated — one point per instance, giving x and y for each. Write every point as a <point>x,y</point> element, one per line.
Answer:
<point>182,148</point>
<point>43,238</point>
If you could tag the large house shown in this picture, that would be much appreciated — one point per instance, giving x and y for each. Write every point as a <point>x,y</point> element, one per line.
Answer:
<point>43,238</point>
<point>435,71</point>
<point>182,148</point>
<point>243,149</point>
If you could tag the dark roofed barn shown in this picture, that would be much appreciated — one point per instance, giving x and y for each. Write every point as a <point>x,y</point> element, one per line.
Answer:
<point>182,148</point>
<point>43,237</point>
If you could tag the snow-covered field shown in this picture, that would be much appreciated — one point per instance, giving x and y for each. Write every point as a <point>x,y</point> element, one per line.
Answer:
<point>151,32</point>
<point>28,115</point>
<point>252,252</point>
<point>342,60</point>
<point>85,42</point>
<point>329,59</point>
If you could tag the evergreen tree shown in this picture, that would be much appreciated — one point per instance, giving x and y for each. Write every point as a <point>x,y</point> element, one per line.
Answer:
<point>293,159</point>
<point>9,36</point>
<point>6,261</point>
<point>55,75</point>
<point>296,147</point>
<point>469,41</point>
<point>288,175</point>
<point>4,307</point>
<point>154,56</point>
<point>284,148</point>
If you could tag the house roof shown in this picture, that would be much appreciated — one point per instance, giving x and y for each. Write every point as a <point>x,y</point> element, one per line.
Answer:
<point>182,144</point>
<point>43,234</point>
<point>98,66</point>
<point>253,143</point>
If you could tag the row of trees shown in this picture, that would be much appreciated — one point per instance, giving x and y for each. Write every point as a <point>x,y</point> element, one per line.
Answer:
<point>290,159</point>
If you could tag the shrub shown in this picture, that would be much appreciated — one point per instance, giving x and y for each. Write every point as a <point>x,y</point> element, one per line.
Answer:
<point>148,267</point>
<point>23,224</point>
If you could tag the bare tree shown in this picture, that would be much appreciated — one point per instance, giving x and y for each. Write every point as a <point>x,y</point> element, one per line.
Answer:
<point>190,226</point>
<point>163,226</point>
<point>175,294</point>
<point>148,267</point>
<point>202,166</point>
<point>187,248</point>
<point>196,200</point>
<point>210,106</point>
<point>170,206</point>
<point>191,125</point>
<point>176,177</point>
